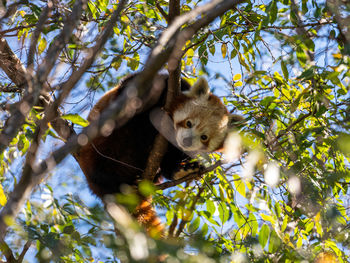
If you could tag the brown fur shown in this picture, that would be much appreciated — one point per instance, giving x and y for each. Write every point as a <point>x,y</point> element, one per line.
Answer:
<point>120,158</point>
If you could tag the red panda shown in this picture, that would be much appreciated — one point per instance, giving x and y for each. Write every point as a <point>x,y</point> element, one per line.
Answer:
<point>201,123</point>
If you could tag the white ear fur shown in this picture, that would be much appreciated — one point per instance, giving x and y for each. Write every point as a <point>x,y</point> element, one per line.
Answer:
<point>199,88</point>
<point>234,120</point>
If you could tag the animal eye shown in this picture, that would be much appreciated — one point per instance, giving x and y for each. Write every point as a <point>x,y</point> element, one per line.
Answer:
<point>188,124</point>
<point>204,137</point>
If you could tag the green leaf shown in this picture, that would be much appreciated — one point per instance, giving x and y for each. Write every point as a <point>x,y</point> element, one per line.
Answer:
<point>284,70</point>
<point>223,212</point>
<point>240,187</point>
<point>253,224</point>
<point>146,188</point>
<point>76,119</point>
<point>210,206</point>
<point>285,223</point>
<point>301,56</point>
<point>212,49</point>
<point>92,9</point>
<point>134,62</point>
<point>273,12</point>
<point>264,234</point>
<point>275,242</point>
<point>268,218</point>
<point>194,225</point>
<point>309,226</point>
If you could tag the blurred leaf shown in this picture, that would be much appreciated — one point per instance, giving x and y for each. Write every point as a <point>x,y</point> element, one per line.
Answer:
<point>264,234</point>
<point>42,45</point>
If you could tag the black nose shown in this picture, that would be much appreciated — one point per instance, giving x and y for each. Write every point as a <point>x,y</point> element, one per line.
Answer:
<point>187,141</point>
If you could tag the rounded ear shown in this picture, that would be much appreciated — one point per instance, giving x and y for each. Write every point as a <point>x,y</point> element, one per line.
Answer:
<point>234,120</point>
<point>200,88</point>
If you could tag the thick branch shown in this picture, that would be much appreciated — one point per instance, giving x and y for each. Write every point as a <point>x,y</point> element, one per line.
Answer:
<point>11,64</point>
<point>160,144</point>
<point>344,25</point>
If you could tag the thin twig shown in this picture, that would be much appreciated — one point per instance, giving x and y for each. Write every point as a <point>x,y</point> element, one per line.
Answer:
<point>11,89</point>
<point>161,10</point>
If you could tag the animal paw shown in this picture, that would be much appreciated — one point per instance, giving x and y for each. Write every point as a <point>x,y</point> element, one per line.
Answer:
<point>186,169</point>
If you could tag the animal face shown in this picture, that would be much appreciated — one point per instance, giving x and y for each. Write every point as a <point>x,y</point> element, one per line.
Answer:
<point>201,121</point>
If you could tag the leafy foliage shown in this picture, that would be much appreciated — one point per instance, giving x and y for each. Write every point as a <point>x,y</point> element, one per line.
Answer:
<point>283,66</point>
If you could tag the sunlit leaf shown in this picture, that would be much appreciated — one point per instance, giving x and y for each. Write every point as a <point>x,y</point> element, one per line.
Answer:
<point>3,199</point>
<point>76,119</point>
<point>224,50</point>
<point>264,234</point>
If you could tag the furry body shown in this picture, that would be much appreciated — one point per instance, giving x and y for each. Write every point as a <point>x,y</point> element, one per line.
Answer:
<point>201,123</point>
<point>120,158</point>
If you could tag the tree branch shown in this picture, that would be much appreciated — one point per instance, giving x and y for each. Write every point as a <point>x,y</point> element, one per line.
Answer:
<point>24,251</point>
<point>160,144</point>
<point>39,27</point>
<point>344,25</point>
<point>12,9</point>
<point>11,64</point>
<point>189,177</point>
<point>161,10</point>
<point>7,252</point>
<point>35,84</point>
<point>10,89</point>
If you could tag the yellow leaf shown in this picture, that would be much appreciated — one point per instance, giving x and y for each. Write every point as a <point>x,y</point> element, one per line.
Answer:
<point>237,77</point>
<point>317,220</point>
<point>3,199</point>
<point>222,192</point>
<point>299,242</point>
<point>42,45</point>
<point>224,50</point>
<point>268,218</point>
<point>238,84</point>
<point>326,257</point>
<point>22,13</point>
<point>338,56</point>
<point>240,187</point>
